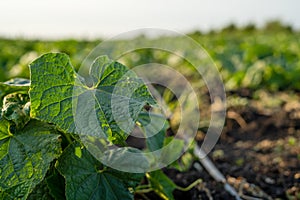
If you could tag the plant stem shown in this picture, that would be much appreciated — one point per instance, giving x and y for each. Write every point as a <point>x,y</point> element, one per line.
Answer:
<point>198,181</point>
<point>146,190</point>
<point>143,189</point>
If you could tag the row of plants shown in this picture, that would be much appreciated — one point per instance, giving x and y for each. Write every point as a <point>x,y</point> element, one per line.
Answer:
<point>249,58</point>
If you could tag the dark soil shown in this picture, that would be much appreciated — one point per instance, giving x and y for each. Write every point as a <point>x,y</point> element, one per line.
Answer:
<point>258,152</point>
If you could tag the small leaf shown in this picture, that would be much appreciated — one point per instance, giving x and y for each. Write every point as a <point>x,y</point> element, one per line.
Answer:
<point>161,184</point>
<point>186,160</point>
<point>155,127</point>
<point>25,156</point>
<point>126,158</point>
<point>19,85</point>
<point>172,150</point>
<point>87,178</point>
<point>14,85</point>
<point>165,149</point>
<point>16,108</point>
<point>78,152</point>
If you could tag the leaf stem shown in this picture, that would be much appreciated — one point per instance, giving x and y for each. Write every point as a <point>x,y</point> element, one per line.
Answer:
<point>198,181</point>
<point>143,189</point>
<point>146,190</point>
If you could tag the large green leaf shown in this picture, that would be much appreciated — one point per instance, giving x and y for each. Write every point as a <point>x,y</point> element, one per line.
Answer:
<point>25,156</point>
<point>109,108</point>
<point>87,178</point>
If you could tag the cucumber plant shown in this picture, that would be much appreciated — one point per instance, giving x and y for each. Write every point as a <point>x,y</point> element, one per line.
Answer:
<point>42,155</point>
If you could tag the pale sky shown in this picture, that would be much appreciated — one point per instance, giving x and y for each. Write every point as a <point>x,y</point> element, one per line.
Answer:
<point>107,18</point>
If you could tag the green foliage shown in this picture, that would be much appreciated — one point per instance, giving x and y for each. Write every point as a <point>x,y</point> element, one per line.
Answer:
<point>41,154</point>
<point>62,88</point>
<point>25,156</point>
<point>87,178</point>
<point>234,50</point>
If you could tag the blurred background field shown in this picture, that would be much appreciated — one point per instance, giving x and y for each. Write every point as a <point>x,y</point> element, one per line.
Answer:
<point>247,57</point>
